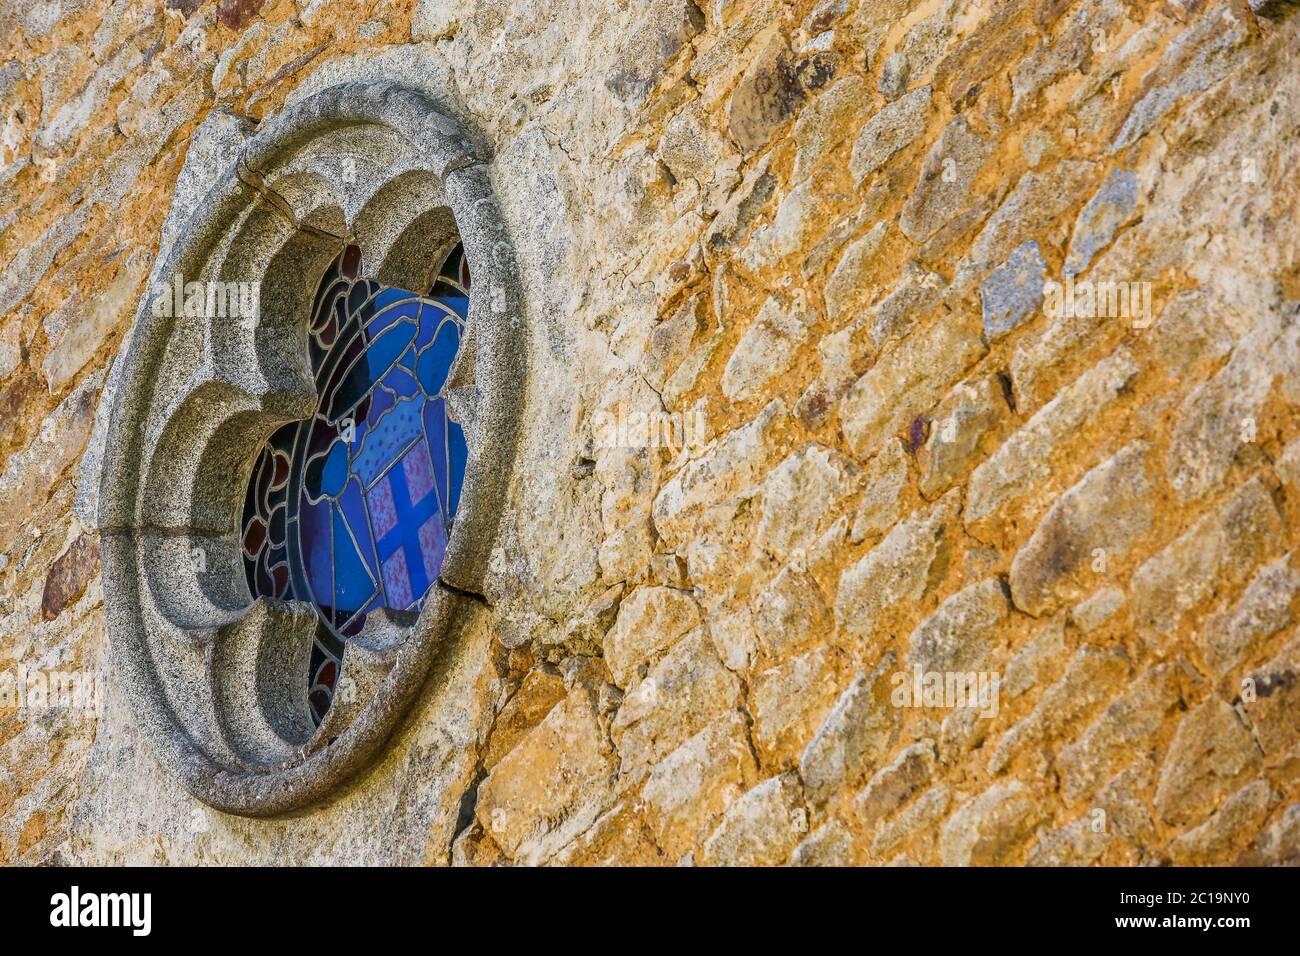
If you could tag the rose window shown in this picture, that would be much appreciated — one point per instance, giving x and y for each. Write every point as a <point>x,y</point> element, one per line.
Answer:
<point>299,510</point>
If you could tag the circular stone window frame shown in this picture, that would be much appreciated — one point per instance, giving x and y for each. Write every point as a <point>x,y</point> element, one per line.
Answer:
<point>216,679</point>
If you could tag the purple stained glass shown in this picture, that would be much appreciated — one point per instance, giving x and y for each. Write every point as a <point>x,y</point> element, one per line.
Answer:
<point>351,509</point>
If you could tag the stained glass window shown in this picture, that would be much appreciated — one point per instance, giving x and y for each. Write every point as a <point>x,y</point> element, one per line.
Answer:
<point>351,508</point>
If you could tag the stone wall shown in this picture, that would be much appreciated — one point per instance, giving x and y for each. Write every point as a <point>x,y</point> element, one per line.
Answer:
<point>873,343</point>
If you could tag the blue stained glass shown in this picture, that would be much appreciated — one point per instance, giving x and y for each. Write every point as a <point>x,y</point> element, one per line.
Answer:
<point>394,432</point>
<point>400,379</point>
<point>334,473</point>
<point>435,425</point>
<point>458,454</point>
<point>351,508</point>
<point>389,313</point>
<point>352,504</point>
<point>352,584</point>
<point>315,529</point>
<point>381,400</point>
<point>369,368</point>
<point>435,360</point>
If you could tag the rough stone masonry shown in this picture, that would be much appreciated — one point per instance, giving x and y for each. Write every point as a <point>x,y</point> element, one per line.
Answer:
<point>876,248</point>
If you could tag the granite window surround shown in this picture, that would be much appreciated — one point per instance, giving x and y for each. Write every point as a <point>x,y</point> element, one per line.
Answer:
<point>216,678</point>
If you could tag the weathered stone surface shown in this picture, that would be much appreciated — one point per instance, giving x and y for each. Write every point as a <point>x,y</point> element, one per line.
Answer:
<point>824,15</point>
<point>236,14</point>
<point>541,690</point>
<point>664,172</point>
<point>651,46</point>
<point>741,208</point>
<point>918,818</point>
<point>800,498</point>
<point>628,533</point>
<point>682,694</point>
<point>1194,332</point>
<point>945,189</point>
<point>914,296</point>
<point>68,577</point>
<point>964,422</point>
<point>960,635</point>
<point>893,76</point>
<point>64,123</point>
<point>669,342</point>
<point>1088,98</point>
<point>988,829</point>
<point>1196,58</point>
<point>1274,714</point>
<point>843,357</point>
<point>91,323</point>
<point>1125,802</point>
<point>1127,726</point>
<point>1031,665</point>
<point>857,732</point>
<point>1078,843</point>
<point>765,351</point>
<point>1216,422</point>
<point>1113,206</point>
<point>796,223</point>
<point>1219,549</point>
<point>1208,759</point>
<point>826,123</point>
<point>1071,50</point>
<point>907,381</point>
<point>733,637</point>
<point>617,838</point>
<point>828,845</point>
<point>1014,291</point>
<point>561,772</point>
<point>1270,8</point>
<point>882,486</point>
<point>894,784</point>
<point>1024,460</point>
<point>691,148</point>
<point>790,614</point>
<point>688,792</point>
<point>649,620</point>
<point>438,19</point>
<point>929,39</point>
<point>1228,637</point>
<point>1099,519</point>
<point>789,702</point>
<point>1240,814</point>
<point>902,567</point>
<point>1278,844</point>
<point>30,472</point>
<point>1287,465</point>
<point>761,828</point>
<point>964,729</point>
<point>1096,609</point>
<point>732,466</point>
<point>1026,214</point>
<point>766,97</point>
<point>848,288</point>
<point>890,130</point>
<point>1087,681</point>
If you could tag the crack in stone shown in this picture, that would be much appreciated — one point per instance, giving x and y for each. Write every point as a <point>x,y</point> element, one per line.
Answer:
<point>254,180</point>
<point>463,592</point>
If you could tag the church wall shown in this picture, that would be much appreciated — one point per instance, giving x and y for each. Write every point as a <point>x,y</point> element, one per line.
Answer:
<point>910,456</point>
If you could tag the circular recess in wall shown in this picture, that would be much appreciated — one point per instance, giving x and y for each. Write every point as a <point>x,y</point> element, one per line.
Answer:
<point>303,445</point>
